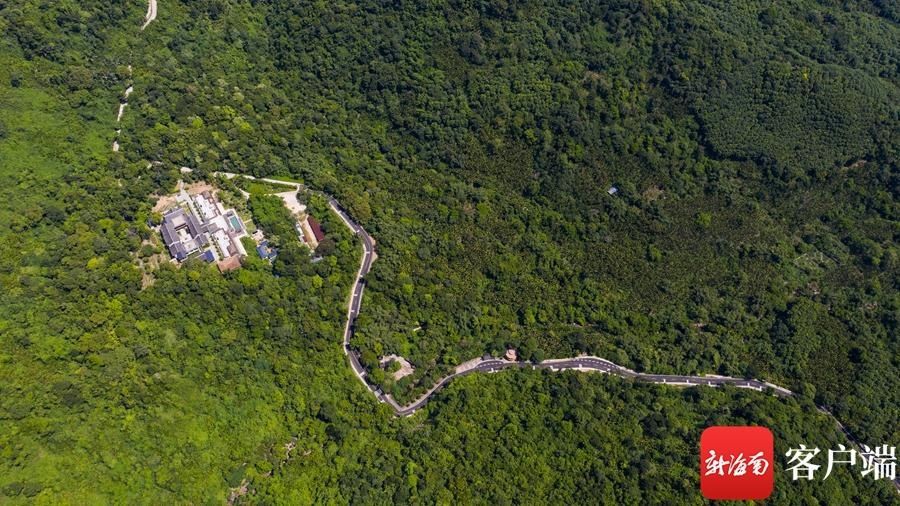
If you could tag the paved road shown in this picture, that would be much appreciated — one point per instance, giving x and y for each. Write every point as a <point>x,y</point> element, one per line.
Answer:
<point>489,364</point>
<point>492,364</point>
<point>359,283</point>
<point>587,364</point>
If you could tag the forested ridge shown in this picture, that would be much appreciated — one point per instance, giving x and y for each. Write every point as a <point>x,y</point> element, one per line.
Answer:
<point>754,147</point>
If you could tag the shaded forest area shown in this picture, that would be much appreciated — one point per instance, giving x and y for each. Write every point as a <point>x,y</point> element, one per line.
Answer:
<point>754,147</point>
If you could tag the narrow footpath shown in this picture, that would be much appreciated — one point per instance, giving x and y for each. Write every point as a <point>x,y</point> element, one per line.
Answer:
<point>151,14</point>
<point>148,18</point>
<point>489,364</point>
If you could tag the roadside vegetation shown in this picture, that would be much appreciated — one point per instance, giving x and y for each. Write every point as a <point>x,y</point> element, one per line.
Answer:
<point>260,187</point>
<point>753,148</point>
<point>754,233</point>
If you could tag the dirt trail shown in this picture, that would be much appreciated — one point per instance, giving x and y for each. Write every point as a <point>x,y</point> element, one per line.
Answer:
<point>151,14</point>
<point>148,18</point>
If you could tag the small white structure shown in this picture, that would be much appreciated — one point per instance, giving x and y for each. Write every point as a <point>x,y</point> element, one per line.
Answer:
<point>206,208</point>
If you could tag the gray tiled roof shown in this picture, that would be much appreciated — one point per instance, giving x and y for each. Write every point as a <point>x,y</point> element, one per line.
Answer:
<point>168,233</point>
<point>194,225</point>
<point>177,250</point>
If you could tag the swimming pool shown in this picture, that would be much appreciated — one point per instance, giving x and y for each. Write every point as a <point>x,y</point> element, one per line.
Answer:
<point>235,223</point>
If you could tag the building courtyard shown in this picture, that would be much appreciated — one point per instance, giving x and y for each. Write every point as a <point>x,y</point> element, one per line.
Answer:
<point>200,226</point>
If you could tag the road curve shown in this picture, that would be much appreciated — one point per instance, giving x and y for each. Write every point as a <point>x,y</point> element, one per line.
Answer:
<point>489,364</point>
<point>151,14</point>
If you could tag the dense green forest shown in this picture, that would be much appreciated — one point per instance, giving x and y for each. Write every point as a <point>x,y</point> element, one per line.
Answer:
<point>754,228</point>
<point>754,146</point>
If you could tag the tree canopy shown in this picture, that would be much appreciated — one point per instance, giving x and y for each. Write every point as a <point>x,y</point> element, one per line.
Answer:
<point>754,147</point>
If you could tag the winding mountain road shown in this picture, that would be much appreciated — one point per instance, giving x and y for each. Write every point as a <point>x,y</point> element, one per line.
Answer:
<point>489,364</point>
<point>486,364</point>
<point>492,364</point>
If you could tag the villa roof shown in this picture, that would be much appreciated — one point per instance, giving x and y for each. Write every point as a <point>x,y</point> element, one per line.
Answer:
<point>230,263</point>
<point>316,229</point>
